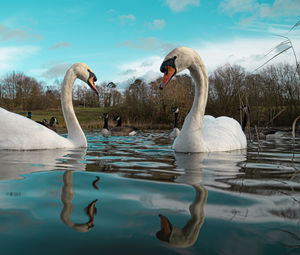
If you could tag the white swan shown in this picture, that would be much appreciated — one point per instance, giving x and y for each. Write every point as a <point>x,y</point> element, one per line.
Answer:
<point>21,133</point>
<point>200,133</point>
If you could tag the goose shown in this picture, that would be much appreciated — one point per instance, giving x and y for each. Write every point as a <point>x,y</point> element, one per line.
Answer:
<point>120,130</point>
<point>175,131</point>
<point>270,133</point>
<point>51,124</point>
<point>21,133</point>
<point>44,122</point>
<point>265,133</point>
<point>105,131</point>
<point>200,133</point>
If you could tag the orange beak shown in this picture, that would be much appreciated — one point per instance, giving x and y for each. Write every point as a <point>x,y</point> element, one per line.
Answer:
<point>91,82</point>
<point>165,225</point>
<point>95,183</point>
<point>91,210</point>
<point>167,76</point>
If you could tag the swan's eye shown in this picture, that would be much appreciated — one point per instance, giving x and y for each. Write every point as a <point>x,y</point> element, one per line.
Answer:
<point>91,74</point>
<point>163,67</point>
<point>168,62</point>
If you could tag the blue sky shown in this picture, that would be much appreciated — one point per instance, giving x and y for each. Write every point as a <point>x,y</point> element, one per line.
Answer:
<point>123,40</point>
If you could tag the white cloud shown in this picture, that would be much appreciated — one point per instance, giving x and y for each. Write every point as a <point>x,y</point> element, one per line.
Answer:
<point>180,5</point>
<point>145,68</point>
<point>55,70</point>
<point>233,6</point>
<point>12,57</point>
<point>149,43</point>
<point>159,23</point>
<point>125,18</point>
<point>59,45</point>
<point>279,8</point>
<point>156,24</point>
<point>246,52</point>
<point>7,33</point>
<point>271,28</point>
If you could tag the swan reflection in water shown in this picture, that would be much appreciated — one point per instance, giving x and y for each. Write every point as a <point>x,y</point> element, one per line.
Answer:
<point>16,163</point>
<point>192,164</point>
<point>67,196</point>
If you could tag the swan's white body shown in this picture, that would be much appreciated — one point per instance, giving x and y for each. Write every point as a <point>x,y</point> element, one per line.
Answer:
<point>20,133</point>
<point>201,133</point>
<point>217,134</point>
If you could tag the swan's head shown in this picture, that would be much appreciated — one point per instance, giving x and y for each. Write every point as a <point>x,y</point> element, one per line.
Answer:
<point>86,74</point>
<point>176,61</point>
<point>166,229</point>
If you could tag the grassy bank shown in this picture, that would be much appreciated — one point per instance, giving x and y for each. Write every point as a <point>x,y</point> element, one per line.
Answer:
<point>89,118</point>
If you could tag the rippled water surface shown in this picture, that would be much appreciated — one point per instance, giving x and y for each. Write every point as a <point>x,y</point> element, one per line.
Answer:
<point>134,195</point>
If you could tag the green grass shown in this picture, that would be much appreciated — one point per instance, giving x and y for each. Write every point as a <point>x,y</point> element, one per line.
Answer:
<point>89,118</point>
<point>84,115</point>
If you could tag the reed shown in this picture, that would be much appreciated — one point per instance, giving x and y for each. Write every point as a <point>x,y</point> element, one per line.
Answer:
<point>257,136</point>
<point>281,111</point>
<point>294,129</point>
<point>275,50</point>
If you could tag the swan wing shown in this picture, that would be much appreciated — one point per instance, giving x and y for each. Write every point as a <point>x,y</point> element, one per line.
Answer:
<point>20,133</point>
<point>222,134</point>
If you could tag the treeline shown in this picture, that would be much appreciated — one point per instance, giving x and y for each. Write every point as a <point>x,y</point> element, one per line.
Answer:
<point>273,90</point>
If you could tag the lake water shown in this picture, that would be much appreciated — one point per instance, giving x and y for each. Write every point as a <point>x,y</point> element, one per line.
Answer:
<point>134,195</point>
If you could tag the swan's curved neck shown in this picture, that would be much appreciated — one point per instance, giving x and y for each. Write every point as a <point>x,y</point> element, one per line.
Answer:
<point>75,133</point>
<point>196,114</point>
